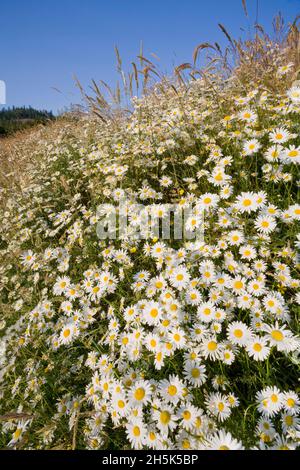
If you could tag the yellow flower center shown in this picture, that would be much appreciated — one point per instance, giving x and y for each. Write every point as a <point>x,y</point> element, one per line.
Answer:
<point>207,200</point>
<point>186,415</point>
<point>212,346</point>
<point>17,433</point>
<point>186,444</point>
<point>172,390</point>
<point>290,402</point>
<point>67,333</point>
<point>289,420</point>
<point>277,335</point>
<point>238,284</point>
<point>247,202</point>
<point>198,422</point>
<point>154,312</point>
<point>274,398</point>
<point>139,394</point>
<point>238,333</point>
<point>165,417</point>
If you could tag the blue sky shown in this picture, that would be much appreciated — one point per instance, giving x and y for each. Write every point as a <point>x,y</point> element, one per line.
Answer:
<point>44,43</point>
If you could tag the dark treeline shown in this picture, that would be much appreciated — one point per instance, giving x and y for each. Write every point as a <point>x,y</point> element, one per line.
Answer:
<point>18,118</point>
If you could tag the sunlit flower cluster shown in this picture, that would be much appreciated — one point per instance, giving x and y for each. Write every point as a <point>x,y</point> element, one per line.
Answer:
<point>151,343</point>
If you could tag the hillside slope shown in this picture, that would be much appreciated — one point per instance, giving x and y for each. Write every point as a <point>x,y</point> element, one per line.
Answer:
<point>131,343</point>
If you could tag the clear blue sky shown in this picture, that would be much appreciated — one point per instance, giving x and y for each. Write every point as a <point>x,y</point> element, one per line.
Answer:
<point>43,43</point>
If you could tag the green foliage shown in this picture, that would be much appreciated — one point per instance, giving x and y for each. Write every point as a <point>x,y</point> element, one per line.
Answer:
<point>18,118</point>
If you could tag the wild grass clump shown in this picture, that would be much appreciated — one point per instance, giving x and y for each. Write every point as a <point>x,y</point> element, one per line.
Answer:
<point>164,344</point>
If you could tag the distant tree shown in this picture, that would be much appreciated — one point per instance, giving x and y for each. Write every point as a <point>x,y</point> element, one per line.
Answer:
<point>18,118</point>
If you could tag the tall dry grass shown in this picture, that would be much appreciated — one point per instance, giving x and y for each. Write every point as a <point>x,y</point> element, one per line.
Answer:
<point>245,63</point>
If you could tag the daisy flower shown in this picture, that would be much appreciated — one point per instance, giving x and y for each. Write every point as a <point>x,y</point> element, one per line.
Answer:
<point>273,301</point>
<point>208,201</point>
<point>171,389</point>
<point>166,181</point>
<point>246,202</point>
<point>294,94</point>
<point>61,285</point>
<point>265,224</point>
<point>188,415</point>
<point>193,297</point>
<point>164,417</point>
<point>136,433</point>
<point>68,333</point>
<point>211,349</point>
<point>279,136</point>
<point>153,439</point>
<point>291,402</point>
<point>256,288</point>
<point>238,333</point>
<point>28,258</point>
<point>291,154</point>
<point>247,252</point>
<point>179,278</point>
<point>223,440</point>
<point>152,313</point>
<point>235,237</point>
<point>248,115</point>
<point>206,312</point>
<point>238,285</point>
<point>251,146</point>
<point>140,393</point>
<point>257,348</point>
<point>228,356</point>
<point>218,406</point>
<point>19,432</point>
<point>290,422</point>
<point>270,401</point>
<point>158,250</point>
<point>273,153</point>
<point>177,337</point>
<point>120,405</point>
<point>194,372</point>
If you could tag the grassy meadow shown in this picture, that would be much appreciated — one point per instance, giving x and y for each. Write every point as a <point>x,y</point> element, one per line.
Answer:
<point>151,343</point>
